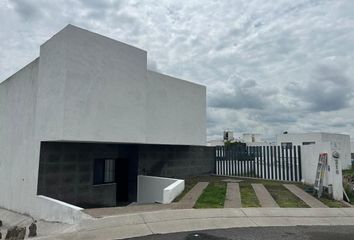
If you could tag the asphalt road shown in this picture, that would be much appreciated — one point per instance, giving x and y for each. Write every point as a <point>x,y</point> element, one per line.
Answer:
<point>263,233</point>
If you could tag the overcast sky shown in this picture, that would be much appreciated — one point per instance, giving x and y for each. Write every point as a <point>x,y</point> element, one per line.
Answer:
<point>269,66</point>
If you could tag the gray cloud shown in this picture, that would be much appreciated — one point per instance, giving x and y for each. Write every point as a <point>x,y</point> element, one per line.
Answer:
<point>240,94</point>
<point>269,66</point>
<point>328,90</point>
<point>27,9</point>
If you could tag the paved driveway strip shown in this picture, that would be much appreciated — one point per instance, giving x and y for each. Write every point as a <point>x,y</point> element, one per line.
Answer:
<point>264,197</point>
<point>304,196</point>
<point>233,196</point>
<point>189,200</point>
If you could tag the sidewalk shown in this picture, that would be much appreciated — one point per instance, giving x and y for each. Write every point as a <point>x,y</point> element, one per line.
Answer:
<point>169,221</point>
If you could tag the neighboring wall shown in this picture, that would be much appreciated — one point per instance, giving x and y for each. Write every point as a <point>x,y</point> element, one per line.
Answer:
<point>309,157</point>
<point>176,161</point>
<point>342,144</point>
<point>341,141</point>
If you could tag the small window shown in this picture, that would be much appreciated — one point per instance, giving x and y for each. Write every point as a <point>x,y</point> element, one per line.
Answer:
<point>286,145</point>
<point>104,171</point>
<point>308,143</point>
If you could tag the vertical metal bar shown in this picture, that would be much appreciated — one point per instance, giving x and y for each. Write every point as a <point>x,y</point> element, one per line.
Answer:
<point>264,162</point>
<point>283,162</point>
<point>295,165</point>
<point>248,162</point>
<point>253,171</point>
<point>299,159</point>
<point>268,165</point>
<point>279,162</point>
<point>257,161</point>
<point>271,162</point>
<point>238,164</point>
<point>275,163</point>
<point>291,165</point>
<point>287,164</point>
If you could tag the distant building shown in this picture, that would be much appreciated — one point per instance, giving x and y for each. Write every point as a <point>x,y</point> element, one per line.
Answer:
<point>341,141</point>
<point>251,138</point>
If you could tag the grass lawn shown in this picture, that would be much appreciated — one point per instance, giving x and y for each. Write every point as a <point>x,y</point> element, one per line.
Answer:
<point>213,196</point>
<point>248,196</point>
<point>284,197</point>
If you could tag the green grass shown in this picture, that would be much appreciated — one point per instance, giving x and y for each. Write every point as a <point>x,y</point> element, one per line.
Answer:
<point>248,196</point>
<point>213,196</point>
<point>284,197</point>
<point>325,199</point>
<point>332,203</point>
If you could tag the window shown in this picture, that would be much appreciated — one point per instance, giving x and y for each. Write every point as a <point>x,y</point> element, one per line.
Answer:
<point>286,145</point>
<point>308,143</point>
<point>104,171</point>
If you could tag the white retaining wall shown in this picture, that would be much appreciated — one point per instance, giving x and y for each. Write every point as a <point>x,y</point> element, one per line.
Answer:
<point>158,189</point>
<point>309,156</point>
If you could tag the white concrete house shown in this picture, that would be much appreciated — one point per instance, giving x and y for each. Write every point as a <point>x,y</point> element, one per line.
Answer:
<point>86,105</point>
<point>341,140</point>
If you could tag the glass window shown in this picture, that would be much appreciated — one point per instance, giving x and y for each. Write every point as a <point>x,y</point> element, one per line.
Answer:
<point>104,171</point>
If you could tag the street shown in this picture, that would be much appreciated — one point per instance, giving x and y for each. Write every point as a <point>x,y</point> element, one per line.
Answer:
<point>262,233</point>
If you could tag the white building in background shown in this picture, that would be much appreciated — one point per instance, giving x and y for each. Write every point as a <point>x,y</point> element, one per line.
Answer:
<point>342,142</point>
<point>352,149</point>
<point>251,138</point>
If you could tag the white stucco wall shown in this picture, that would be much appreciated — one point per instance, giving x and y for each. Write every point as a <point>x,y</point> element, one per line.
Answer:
<point>342,141</point>
<point>19,151</point>
<point>158,189</point>
<point>99,90</point>
<point>309,158</point>
<point>176,111</point>
<point>86,87</point>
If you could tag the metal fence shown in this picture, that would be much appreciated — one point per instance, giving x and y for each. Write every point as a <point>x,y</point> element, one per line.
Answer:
<point>267,162</point>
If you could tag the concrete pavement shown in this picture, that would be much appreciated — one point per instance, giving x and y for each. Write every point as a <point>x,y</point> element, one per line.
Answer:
<point>189,200</point>
<point>233,196</point>
<point>170,221</point>
<point>264,197</point>
<point>44,228</point>
<point>304,196</point>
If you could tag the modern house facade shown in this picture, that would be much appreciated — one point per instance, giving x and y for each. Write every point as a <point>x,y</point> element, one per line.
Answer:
<point>80,122</point>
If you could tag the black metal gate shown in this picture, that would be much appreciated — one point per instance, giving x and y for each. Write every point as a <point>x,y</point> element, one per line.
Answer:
<point>267,162</point>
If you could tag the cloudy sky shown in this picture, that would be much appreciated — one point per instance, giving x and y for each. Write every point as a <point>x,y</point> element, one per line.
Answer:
<point>269,66</point>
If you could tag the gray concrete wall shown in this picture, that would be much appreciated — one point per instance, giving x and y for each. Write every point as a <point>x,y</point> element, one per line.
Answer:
<point>66,173</point>
<point>176,161</point>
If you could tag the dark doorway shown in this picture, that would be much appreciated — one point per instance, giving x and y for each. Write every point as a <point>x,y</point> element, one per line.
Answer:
<point>122,181</point>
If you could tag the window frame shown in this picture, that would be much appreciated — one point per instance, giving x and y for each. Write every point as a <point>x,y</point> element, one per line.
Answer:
<point>101,165</point>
